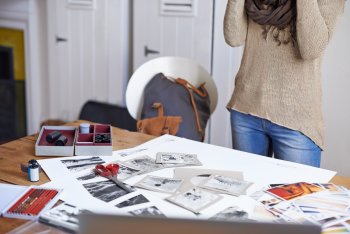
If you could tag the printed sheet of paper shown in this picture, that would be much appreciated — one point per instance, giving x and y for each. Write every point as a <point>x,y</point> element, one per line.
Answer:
<point>260,170</point>
<point>257,169</point>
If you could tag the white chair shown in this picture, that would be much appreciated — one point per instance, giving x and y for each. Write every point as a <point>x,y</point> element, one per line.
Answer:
<point>169,66</point>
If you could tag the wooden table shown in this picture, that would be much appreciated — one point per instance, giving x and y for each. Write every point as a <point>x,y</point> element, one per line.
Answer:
<point>22,150</point>
<point>14,153</point>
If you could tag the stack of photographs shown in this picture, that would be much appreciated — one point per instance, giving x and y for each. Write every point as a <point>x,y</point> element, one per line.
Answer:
<point>327,205</point>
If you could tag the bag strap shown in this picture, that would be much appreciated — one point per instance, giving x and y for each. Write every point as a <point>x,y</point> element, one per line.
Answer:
<point>159,107</point>
<point>166,127</point>
<point>189,86</point>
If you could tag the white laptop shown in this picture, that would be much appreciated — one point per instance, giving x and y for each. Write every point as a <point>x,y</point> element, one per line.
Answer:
<point>94,223</point>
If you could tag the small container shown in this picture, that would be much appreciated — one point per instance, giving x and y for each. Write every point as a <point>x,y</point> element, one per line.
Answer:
<point>53,136</point>
<point>33,171</point>
<point>84,128</point>
<point>61,141</point>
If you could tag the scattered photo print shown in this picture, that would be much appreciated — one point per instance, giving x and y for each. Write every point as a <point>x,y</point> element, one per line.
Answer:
<point>324,219</point>
<point>295,190</point>
<point>177,158</point>
<point>87,176</point>
<point>199,179</point>
<point>332,188</point>
<point>268,199</point>
<point>194,199</point>
<point>160,184</point>
<point>322,203</point>
<point>232,213</point>
<point>131,151</point>
<point>340,227</point>
<point>139,199</point>
<point>106,190</point>
<point>126,172</point>
<point>147,212</point>
<point>275,185</point>
<point>144,163</point>
<point>226,184</point>
<point>195,177</point>
<point>64,216</point>
<point>185,173</point>
<point>75,165</point>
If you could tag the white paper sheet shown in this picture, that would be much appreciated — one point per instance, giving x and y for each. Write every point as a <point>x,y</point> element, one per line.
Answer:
<point>8,193</point>
<point>257,169</point>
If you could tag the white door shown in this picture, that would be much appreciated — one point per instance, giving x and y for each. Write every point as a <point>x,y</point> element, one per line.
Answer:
<point>172,28</point>
<point>181,28</point>
<point>88,51</point>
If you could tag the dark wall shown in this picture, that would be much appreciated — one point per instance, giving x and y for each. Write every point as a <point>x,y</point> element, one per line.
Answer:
<point>8,107</point>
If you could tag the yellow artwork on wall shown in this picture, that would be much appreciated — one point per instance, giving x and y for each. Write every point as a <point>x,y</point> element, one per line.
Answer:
<point>15,39</point>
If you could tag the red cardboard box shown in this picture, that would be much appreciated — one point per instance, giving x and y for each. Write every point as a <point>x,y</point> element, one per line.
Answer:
<point>97,142</point>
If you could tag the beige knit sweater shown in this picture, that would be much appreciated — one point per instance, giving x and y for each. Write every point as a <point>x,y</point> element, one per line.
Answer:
<point>283,83</point>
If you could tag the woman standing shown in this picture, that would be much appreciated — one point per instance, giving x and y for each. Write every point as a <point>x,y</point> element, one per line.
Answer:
<point>276,104</point>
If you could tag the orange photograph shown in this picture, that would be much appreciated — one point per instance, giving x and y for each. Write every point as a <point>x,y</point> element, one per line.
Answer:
<point>295,190</point>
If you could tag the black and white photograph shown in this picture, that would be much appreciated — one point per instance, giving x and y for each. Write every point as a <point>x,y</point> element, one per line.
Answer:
<point>106,190</point>
<point>139,199</point>
<point>126,172</point>
<point>160,184</point>
<point>144,163</point>
<point>87,176</point>
<point>227,185</point>
<point>147,212</point>
<point>196,176</point>
<point>232,213</point>
<point>177,158</point>
<point>75,165</point>
<point>131,151</point>
<point>64,216</point>
<point>195,199</point>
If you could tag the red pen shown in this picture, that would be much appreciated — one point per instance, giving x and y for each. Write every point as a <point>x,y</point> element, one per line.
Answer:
<point>20,201</point>
<point>30,201</point>
<point>44,202</point>
<point>36,201</point>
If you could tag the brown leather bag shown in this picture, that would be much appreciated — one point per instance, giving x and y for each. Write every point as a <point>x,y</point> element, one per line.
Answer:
<point>161,124</point>
<point>179,99</point>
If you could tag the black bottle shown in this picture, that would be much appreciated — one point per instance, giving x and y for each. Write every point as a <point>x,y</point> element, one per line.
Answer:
<point>61,141</point>
<point>53,136</point>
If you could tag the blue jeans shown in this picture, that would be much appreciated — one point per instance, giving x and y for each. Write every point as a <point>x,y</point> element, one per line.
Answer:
<point>260,136</point>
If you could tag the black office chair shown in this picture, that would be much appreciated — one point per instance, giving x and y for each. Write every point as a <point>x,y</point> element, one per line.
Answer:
<point>106,113</point>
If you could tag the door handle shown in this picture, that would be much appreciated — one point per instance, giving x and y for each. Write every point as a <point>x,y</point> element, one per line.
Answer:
<point>149,51</point>
<point>60,39</point>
